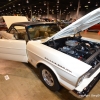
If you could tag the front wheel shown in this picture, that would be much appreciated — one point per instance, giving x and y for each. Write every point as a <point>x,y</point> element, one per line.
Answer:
<point>48,78</point>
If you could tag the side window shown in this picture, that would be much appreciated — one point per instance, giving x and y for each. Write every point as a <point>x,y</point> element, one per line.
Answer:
<point>19,32</point>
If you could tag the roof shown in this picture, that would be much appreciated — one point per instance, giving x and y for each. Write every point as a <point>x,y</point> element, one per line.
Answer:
<point>32,23</point>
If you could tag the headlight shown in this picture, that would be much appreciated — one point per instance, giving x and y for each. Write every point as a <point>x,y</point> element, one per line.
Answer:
<point>82,77</point>
<point>80,80</point>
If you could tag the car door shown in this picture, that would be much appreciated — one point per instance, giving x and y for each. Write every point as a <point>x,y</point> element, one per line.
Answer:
<point>13,50</point>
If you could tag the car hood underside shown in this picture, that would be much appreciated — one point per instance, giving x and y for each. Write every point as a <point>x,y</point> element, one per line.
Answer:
<point>81,24</point>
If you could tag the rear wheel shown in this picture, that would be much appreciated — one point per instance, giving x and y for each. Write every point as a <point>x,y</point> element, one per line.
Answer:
<point>49,78</point>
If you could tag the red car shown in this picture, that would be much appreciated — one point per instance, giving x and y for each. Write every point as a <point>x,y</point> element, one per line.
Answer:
<point>95,28</point>
<point>3,27</point>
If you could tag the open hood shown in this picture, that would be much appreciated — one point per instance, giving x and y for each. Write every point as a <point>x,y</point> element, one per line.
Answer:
<point>81,24</point>
<point>12,19</point>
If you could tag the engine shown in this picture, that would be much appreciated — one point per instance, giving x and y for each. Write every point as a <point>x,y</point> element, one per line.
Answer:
<point>81,50</point>
<point>86,51</point>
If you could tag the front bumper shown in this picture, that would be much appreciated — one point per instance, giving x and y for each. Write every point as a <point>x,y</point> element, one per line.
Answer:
<point>87,89</point>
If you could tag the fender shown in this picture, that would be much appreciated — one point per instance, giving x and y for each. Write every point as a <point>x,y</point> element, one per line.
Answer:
<point>49,66</point>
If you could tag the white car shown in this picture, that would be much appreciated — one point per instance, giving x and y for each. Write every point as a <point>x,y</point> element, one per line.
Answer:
<point>65,58</point>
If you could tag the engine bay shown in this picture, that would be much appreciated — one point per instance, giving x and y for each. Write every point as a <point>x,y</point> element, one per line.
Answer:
<point>78,48</point>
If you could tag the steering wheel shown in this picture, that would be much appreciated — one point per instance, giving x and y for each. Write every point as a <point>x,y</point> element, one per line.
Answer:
<point>16,36</point>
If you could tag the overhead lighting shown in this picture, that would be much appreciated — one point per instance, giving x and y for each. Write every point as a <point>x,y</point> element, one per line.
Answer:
<point>44,3</point>
<point>13,5</point>
<point>86,6</point>
<point>89,1</point>
<point>74,8</point>
<point>67,8</point>
<point>57,1</point>
<point>27,1</point>
<point>70,4</point>
<point>28,7</point>
<point>96,4</point>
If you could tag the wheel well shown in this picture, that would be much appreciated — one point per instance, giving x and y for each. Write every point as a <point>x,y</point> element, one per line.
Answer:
<point>39,65</point>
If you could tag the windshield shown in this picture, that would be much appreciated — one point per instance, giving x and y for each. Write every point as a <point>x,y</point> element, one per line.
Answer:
<point>42,31</point>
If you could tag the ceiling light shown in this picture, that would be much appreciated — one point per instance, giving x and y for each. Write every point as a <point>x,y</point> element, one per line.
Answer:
<point>44,2</point>
<point>13,5</point>
<point>67,8</point>
<point>86,6</point>
<point>70,4</point>
<point>27,1</point>
<point>96,4</point>
<point>57,1</point>
<point>89,1</point>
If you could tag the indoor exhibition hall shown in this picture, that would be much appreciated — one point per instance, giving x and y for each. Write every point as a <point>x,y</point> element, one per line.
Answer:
<point>49,50</point>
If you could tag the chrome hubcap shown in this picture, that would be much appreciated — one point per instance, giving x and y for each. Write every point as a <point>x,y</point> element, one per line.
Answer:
<point>47,77</point>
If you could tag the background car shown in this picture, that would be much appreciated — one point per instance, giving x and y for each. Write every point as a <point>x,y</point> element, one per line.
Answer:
<point>95,28</point>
